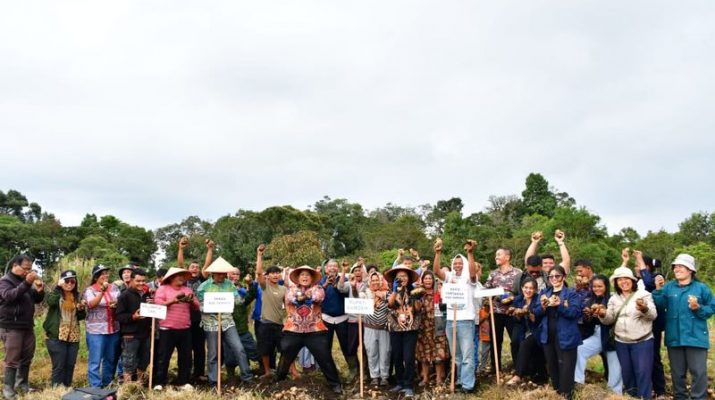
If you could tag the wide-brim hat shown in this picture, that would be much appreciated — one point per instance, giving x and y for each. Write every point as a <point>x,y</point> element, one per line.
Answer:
<point>622,272</point>
<point>174,271</point>
<point>128,266</point>
<point>219,266</point>
<point>99,268</point>
<point>391,273</point>
<point>296,272</point>
<point>685,260</point>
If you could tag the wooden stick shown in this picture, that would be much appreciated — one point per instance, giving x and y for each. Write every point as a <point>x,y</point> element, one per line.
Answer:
<point>494,340</point>
<point>151,354</point>
<point>218,367</point>
<point>360,355</point>
<point>454,348</point>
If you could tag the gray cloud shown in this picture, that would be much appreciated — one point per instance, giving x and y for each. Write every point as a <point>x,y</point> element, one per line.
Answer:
<point>153,112</point>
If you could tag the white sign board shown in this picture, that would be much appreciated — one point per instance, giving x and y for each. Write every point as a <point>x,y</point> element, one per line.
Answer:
<point>455,294</point>
<point>359,306</point>
<point>498,291</point>
<point>218,302</point>
<point>152,310</point>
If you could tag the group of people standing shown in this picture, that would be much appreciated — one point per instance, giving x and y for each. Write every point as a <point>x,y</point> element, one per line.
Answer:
<point>297,312</point>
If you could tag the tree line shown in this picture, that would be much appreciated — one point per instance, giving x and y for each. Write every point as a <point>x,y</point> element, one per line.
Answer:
<point>338,228</point>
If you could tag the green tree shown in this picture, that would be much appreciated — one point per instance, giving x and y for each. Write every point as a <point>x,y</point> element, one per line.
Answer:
<point>536,197</point>
<point>699,227</point>
<point>341,226</point>
<point>294,250</point>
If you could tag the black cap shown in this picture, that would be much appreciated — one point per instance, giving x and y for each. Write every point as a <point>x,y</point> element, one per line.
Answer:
<point>68,274</point>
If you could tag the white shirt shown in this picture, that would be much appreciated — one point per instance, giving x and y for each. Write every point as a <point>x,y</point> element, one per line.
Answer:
<point>464,312</point>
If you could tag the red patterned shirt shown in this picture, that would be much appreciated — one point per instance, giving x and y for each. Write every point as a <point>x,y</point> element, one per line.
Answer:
<point>304,311</point>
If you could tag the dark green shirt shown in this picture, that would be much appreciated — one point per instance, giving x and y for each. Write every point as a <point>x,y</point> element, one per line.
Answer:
<point>242,308</point>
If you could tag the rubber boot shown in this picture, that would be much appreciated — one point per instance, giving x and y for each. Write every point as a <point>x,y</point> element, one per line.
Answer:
<point>22,382</point>
<point>8,389</point>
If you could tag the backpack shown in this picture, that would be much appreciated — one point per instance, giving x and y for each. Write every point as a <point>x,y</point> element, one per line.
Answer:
<point>91,393</point>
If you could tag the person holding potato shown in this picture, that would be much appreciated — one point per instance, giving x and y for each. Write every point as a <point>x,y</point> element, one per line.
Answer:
<point>688,304</point>
<point>102,327</point>
<point>559,311</point>
<point>632,312</point>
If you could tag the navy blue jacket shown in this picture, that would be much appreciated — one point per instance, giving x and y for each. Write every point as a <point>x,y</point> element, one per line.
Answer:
<point>568,313</point>
<point>334,302</point>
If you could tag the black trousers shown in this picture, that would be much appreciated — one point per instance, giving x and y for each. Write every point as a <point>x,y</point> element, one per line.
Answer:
<point>403,346</point>
<point>530,361</point>
<point>561,365</point>
<point>341,330</point>
<point>170,339</point>
<point>658,371</point>
<point>198,348</point>
<point>501,322</point>
<point>319,345</point>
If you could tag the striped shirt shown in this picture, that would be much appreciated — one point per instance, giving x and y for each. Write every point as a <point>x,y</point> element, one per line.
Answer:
<point>378,320</point>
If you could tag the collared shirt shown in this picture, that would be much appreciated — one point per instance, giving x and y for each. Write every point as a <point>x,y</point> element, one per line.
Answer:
<point>504,280</point>
<point>210,321</point>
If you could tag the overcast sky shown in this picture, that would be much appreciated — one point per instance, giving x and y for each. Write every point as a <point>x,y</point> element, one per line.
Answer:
<point>154,111</point>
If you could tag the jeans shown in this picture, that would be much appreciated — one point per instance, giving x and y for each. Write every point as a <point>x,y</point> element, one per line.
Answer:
<point>637,367</point>
<point>103,351</point>
<point>231,342</point>
<point>464,356</point>
<point>377,346</point>
<point>695,360</point>
<point>170,339</point>
<point>403,357</point>
<point>318,344</point>
<point>485,353</point>
<point>249,344</point>
<point>64,357</point>
<point>592,346</point>
<point>658,371</point>
<point>135,355</point>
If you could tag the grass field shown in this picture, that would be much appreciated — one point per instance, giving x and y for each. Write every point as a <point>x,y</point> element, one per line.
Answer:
<point>311,386</point>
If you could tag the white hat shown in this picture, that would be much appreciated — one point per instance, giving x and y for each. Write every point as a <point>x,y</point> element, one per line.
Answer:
<point>685,260</point>
<point>622,272</point>
<point>220,266</point>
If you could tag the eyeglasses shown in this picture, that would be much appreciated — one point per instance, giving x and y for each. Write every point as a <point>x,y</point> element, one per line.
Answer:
<point>555,276</point>
<point>70,281</point>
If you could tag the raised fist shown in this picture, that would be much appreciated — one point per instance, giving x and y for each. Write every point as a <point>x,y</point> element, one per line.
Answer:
<point>537,236</point>
<point>415,254</point>
<point>470,245</point>
<point>625,255</point>
<point>183,242</point>
<point>559,236</point>
<point>210,244</point>
<point>438,245</point>
<point>401,252</point>
<point>261,248</point>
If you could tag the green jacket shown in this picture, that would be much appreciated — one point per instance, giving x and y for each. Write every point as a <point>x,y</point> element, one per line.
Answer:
<point>683,326</point>
<point>52,320</point>
<point>240,311</point>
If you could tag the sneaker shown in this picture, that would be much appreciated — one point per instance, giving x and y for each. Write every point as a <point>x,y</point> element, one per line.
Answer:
<point>158,388</point>
<point>384,382</point>
<point>409,393</point>
<point>187,387</point>
<point>374,382</point>
<point>396,389</point>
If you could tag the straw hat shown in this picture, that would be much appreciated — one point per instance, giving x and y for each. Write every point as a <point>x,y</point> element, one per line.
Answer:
<point>296,272</point>
<point>219,266</point>
<point>391,273</point>
<point>176,271</point>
